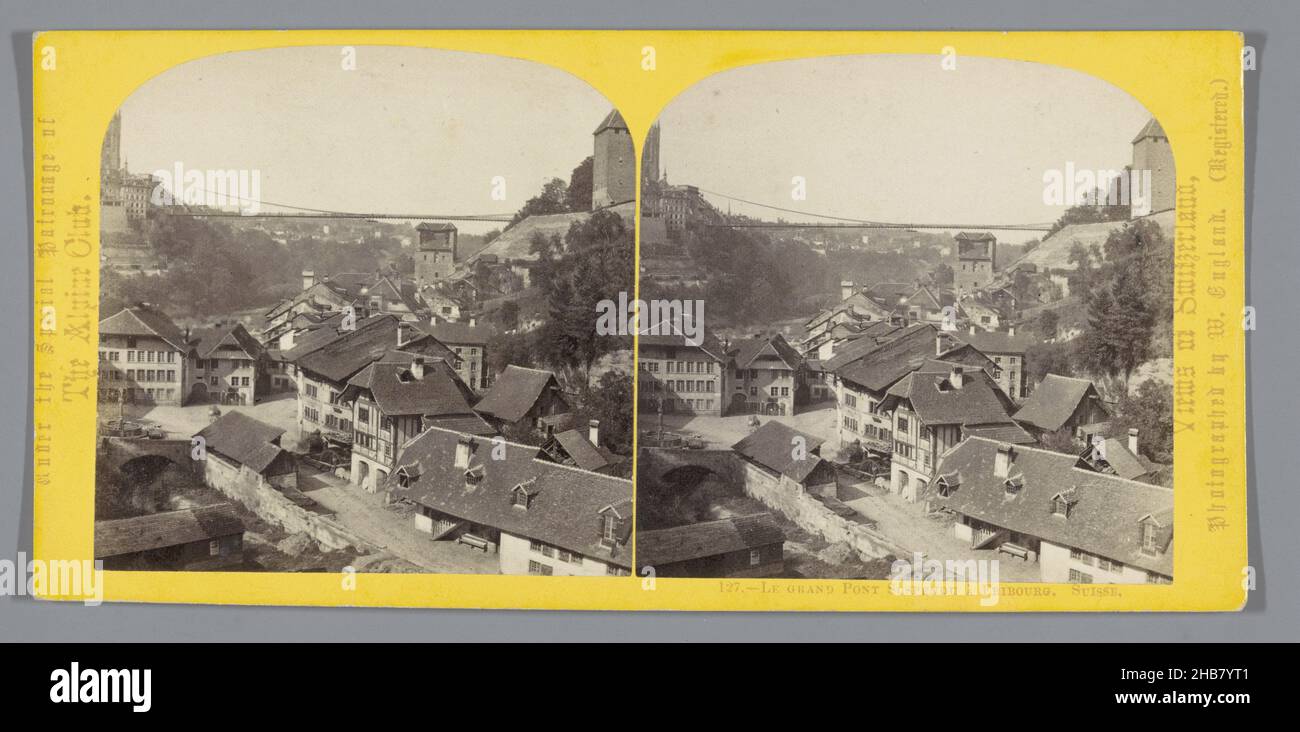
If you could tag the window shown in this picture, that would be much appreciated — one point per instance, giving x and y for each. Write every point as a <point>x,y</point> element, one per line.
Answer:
<point>774,391</point>
<point>1149,542</point>
<point>1159,579</point>
<point>902,424</point>
<point>538,568</point>
<point>610,530</point>
<point>363,415</point>
<point>1109,566</point>
<point>613,571</point>
<point>755,557</point>
<point>1080,577</point>
<point>1083,557</point>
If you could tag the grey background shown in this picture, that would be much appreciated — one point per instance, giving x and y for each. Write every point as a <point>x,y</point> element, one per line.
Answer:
<point>1271,114</point>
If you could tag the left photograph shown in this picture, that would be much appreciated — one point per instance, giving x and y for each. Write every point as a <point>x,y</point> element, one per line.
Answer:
<point>348,318</point>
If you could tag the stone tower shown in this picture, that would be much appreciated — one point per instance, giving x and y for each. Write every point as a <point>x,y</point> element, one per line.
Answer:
<point>1151,151</point>
<point>650,157</point>
<point>613,171</point>
<point>435,256</point>
<point>110,154</point>
<point>976,254</point>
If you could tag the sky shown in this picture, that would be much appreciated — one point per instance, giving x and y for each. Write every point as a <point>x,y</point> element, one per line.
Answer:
<point>897,138</point>
<point>409,130</point>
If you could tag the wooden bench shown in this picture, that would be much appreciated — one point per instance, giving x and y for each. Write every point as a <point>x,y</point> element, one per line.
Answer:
<point>1014,550</point>
<point>474,541</point>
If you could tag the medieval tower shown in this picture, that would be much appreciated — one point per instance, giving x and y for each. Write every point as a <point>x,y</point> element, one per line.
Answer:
<point>110,154</point>
<point>435,257</point>
<point>1151,151</point>
<point>613,170</point>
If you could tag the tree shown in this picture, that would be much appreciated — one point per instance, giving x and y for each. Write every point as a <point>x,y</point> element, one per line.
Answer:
<point>610,401</point>
<point>942,275</point>
<point>553,199</point>
<point>578,197</point>
<point>597,264</point>
<point>1150,409</point>
<point>508,315</point>
<point>1048,322</point>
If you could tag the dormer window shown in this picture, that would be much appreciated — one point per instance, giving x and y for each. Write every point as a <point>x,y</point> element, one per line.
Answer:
<point>609,530</point>
<point>523,494</point>
<point>1013,484</point>
<point>1150,537</point>
<point>1063,503</point>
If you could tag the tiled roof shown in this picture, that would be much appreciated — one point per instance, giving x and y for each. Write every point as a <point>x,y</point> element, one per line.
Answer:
<point>883,366</point>
<point>772,445</point>
<point>1151,129</point>
<point>1103,520</point>
<point>471,424</point>
<point>171,528</point>
<point>515,391</point>
<point>710,538</point>
<point>435,226</point>
<point>394,388</point>
<point>567,504</point>
<point>872,337</point>
<point>937,401</point>
<point>1002,432</point>
<point>349,352</point>
<point>747,350</point>
<point>974,236</point>
<point>710,345</point>
<point>583,454</point>
<point>612,121</point>
<point>1053,401</point>
<point>243,439</point>
<point>328,332</point>
<point>206,341</point>
<point>1117,456</point>
<point>457,333</point>
<point>996,342</point>
<point>144,320</point>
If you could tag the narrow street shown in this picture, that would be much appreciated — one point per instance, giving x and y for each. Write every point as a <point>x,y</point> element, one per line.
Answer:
<point>393,530</point>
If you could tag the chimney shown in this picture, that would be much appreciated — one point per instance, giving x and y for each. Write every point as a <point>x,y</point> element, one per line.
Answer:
<point>464,446</point>
<point>1133,440</point>
<point>956,377</point>
<point>846,289</point>
<point>405,334</point>
<point>938,344</point>
<point>417,368</point>
<point>972,330</point>
<point>472,321</point>
<point>593,432</point>
<point>1002,462</point>
<point>308,278</point>
<point>1011,331</point>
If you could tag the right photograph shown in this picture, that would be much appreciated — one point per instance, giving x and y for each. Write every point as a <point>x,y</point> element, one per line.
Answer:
<point>906,315</point>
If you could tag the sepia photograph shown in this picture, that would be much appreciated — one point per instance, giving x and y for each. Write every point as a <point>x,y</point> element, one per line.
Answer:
<point>346,306</point>
<point>937,298</point>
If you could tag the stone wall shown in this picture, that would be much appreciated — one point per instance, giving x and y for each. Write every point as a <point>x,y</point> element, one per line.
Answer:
<point>786,497</point>
<point>241,484</point>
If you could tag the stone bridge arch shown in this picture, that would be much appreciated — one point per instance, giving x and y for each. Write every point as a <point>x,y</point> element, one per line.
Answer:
<point>131,454</point>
